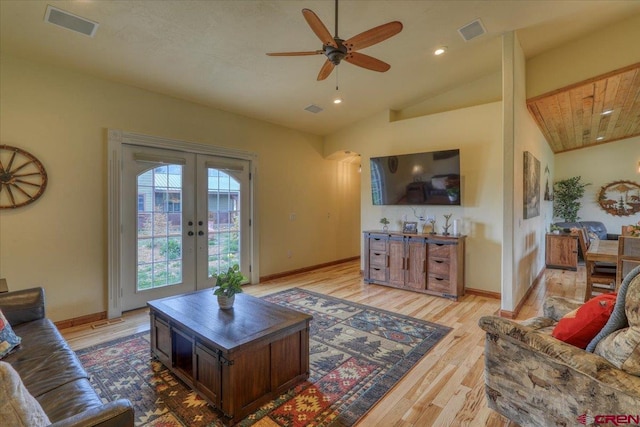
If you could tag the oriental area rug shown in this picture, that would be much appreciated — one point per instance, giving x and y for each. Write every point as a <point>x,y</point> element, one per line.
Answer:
<point>357,354</point>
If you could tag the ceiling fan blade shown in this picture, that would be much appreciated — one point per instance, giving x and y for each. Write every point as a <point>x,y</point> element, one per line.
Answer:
<point>326,69</point>
<point>373,36</point>
<point>313,52</point>
<point>318,27</point>
<point>366,61</point>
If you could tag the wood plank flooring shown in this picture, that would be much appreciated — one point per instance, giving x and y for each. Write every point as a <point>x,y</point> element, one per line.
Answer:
<point>446,388</point>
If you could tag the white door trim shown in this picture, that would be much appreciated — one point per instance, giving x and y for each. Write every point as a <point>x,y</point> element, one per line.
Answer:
<point>115,139</point>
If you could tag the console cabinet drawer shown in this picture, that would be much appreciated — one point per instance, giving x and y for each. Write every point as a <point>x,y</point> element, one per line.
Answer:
<point>378,274</point>
<point>439,267</point>
<point>438,250</point>
<point>378,259</point>
<point>438,284</point>
<point>378,245</point>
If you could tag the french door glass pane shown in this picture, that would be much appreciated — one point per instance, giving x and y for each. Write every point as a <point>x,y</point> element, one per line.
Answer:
<point>223,213</point>
<point>159,256</point>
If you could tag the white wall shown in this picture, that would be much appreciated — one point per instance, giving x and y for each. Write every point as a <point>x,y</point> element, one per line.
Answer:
<point>601,165</point>
<point>60,240</point>
<point>476,131</point>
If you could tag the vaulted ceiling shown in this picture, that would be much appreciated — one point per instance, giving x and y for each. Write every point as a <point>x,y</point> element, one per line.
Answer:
<point>600,110</point>
<point>213,52</point>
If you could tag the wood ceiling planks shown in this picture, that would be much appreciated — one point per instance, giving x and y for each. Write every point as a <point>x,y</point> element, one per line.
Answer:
<point>578,116</point>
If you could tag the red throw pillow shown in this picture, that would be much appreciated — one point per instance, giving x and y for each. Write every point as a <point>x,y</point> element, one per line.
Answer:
<point>580,326</point>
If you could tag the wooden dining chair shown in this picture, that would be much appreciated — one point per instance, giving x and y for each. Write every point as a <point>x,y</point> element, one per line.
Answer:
<point>628,256</point>
<point>600,277</point>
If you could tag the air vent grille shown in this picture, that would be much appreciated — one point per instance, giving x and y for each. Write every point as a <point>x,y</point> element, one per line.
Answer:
<point>472,30</point>
<point>313,109</point>
<point>70,21</point>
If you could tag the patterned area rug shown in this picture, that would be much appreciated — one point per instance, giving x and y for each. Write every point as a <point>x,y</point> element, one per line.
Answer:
<point>357,354</point>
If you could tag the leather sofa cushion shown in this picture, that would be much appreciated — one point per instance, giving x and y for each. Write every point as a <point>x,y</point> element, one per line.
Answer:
<point>69,399</point>
<point>44,361</point>
<point>596,227</point>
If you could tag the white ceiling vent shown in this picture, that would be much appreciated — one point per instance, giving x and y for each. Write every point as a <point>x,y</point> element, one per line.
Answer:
<point>313,109</point>
<point>472,30</point>
<point>70,21</point>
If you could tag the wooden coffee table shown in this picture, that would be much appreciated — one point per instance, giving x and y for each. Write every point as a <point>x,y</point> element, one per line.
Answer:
<point>237,359</point>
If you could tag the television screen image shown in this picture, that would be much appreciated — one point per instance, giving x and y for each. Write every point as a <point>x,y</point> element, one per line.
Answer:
<point>429,178</point>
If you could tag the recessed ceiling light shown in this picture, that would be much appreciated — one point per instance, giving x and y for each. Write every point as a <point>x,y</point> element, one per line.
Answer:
<point>606,112</point>
<point>439,51</point>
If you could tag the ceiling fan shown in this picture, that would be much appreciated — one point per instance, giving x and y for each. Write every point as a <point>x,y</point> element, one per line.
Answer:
<point>337,49</point>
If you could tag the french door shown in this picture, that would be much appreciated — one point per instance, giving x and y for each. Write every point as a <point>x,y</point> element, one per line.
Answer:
<point>185,217</point>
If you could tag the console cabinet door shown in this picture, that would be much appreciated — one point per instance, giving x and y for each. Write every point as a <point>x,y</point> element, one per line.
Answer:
<point>416,263</point>
<point>397,262</point>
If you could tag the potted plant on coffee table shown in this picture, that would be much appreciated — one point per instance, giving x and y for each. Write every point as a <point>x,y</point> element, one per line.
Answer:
<point>228,284</point>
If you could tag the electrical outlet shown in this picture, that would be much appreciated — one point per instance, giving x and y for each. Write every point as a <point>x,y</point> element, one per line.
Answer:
<point>289,253</point>
<point>292,216</point>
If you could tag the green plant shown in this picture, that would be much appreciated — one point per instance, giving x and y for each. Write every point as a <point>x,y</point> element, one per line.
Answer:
<point>554,227</point>
<point>229,283</point>
<point>384,221</point>
<point>171,249</point>
<point>453,192</point>
<point>566,202</point>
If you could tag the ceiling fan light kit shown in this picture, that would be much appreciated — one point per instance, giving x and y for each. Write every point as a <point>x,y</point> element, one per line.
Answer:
<point>337,49</point>
<point>337,98</point>
<point>440,50</point>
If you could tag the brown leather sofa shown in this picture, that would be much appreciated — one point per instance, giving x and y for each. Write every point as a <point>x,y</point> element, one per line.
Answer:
<point>51,371</point>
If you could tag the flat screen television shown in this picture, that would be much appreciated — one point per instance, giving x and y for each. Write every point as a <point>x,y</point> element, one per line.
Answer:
<point>430,178</point>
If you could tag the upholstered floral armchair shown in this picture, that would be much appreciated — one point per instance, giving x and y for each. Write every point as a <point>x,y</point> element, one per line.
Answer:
<point>537,380</point>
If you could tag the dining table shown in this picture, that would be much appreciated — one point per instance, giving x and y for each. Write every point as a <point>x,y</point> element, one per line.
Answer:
<point>605,251</point>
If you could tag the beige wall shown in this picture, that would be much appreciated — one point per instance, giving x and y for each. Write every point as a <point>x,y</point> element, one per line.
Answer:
<point>597,53</point>
<point>599,166</point>
<point>60,240</point>
<point>476,131</point>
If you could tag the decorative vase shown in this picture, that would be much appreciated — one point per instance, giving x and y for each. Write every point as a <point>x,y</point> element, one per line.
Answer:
<point>226,303</point>
<point>385,228</point>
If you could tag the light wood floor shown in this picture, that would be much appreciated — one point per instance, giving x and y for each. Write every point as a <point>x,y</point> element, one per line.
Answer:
<point>446,388</point>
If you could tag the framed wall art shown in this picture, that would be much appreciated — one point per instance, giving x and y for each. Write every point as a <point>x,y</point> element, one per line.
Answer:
<point>531,193</point>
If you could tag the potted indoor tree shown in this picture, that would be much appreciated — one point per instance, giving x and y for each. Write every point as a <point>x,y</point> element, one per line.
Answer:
<point>228,284</point>
<point>566,202</point>
<point>385,224</point>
